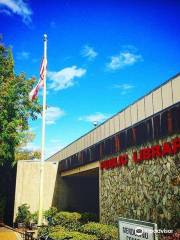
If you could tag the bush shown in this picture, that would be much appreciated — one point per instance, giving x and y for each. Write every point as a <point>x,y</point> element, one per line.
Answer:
<point>71,221</point>
<point>102,231</point>
<point>34,218</point>
<point>47,230</point>
<point>88,217</point>
<point>50,214</point>
<point>61,235</point>
<point>23,214</point>
<point>43,231</point>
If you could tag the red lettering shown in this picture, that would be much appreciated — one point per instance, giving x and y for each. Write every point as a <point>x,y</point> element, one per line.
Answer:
<point>137,159</point>
<point>113,162</point>
<point>141,155</point>
<point>176,145</point>
<point>146,153</point>
<point>102,165</point>
<point>156,151</point>
<point>108,164</point>
<point>122,160</point>
<point>167,149</point>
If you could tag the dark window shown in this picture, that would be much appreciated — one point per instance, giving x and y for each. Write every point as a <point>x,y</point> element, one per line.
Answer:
<point>113,140</point>
<point>134,135</point>
<point>176,119</point>
<point>149,129</point>
<point>98,151</point>
<point>123,140</point>
<point>117,143</point>
<point>164,124</point>
<point>156,127</point>
<point>102,154</point>
<point>141,133</point>
<point>88,155</point>
<point>129,138</point>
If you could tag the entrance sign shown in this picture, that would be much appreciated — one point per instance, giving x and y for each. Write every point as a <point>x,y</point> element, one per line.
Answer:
<point>130,229</point>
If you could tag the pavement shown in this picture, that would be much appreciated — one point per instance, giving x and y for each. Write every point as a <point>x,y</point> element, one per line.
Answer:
<point>8,234</point>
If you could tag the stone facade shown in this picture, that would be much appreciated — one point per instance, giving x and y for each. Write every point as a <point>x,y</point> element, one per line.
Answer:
<point>147,191</point>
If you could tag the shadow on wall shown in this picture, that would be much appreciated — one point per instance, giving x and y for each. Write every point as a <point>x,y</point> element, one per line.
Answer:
<point>7,193</point>
<point>79,192</point>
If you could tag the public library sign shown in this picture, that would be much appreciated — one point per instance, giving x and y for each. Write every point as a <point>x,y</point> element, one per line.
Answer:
<point>130,229</point>
<point>148,153</point>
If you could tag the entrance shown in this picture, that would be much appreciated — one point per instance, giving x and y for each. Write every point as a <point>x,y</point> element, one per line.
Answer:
<point>79,192</point>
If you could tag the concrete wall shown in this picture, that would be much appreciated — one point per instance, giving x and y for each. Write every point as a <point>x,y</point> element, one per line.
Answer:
<point>27,184</point>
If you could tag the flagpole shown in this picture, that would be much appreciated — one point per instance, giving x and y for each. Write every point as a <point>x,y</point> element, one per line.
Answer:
<point>40,216</point>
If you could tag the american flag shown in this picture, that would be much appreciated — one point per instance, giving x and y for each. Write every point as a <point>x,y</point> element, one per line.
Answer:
<point>34,92</point>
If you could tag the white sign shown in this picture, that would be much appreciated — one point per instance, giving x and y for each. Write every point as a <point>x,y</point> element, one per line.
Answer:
<point>130,229</point>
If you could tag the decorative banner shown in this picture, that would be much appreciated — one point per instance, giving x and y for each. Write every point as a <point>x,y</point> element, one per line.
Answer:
<point>130,229</point>
<point>148,153</point>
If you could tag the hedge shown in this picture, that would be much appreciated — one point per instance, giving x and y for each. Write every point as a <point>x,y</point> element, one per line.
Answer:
<point>88,217</point>
<point>70,221</point>
<point>46,230</point>
<point>102,231</point>
<point>61,235</point>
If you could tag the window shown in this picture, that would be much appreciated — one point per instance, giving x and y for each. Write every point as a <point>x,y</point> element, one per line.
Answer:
<point>156,127</point>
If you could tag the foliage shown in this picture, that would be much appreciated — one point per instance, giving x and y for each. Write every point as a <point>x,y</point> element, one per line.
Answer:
<point>102,231</point>
<point>46,230</point>
<point>27,155</point>
<point>51,212</point>
<point>43,231</point>
<point>88,217</point>
<point>69,220</point>
<point>34,217</point>
<point>21,152</point>
<point>15,106</point>
<point>23,214</point>
<point>69,225</point>
<point>60,235</point>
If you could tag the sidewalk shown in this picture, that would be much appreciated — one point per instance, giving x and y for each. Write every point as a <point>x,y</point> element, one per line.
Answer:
<point>7,234</point>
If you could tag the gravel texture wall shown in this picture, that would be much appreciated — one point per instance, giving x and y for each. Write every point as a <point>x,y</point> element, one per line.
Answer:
<point>148,191</point>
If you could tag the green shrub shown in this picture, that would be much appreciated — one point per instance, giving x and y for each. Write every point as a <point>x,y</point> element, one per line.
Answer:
<point>46,230</point>
<point>56,228</point>
<point>61,235</point>
<point>34,217</point>
<point>88,217</point>
<point>23,214</point>
<point>102,231</point>
<point>71,221</point>
<point>43,231</point>
<point>50,214</point>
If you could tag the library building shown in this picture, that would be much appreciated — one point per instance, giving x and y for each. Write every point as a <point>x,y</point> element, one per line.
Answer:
<point>128,166</point>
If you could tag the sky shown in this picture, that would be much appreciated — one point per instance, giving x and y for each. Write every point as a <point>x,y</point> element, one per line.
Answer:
<point>102,56</point>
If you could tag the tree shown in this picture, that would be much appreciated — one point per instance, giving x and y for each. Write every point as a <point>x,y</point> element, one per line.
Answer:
<point>15,111</point>
<point>22,153</point>
<point>15,107</point>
